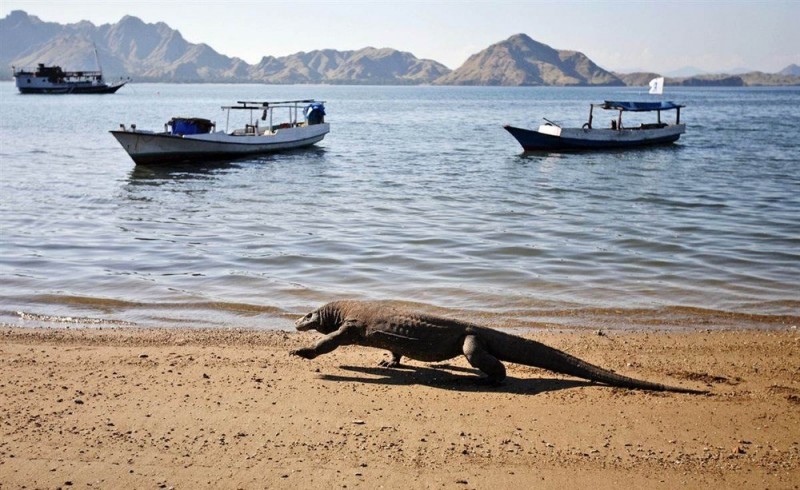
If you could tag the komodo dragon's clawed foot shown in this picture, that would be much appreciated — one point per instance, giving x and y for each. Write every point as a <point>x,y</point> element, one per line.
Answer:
<point>394,362</point>
<point>304,352</point>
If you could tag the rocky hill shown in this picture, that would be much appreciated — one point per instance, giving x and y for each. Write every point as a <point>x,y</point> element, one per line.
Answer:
<point>364,66</point>
<point>751,79</point>
<point>519,60</point>
<point>791,70</point>
<point>637,79</point>
<point>128,48</point>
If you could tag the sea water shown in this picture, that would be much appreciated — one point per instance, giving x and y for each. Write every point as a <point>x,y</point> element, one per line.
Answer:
<point>417,196</point>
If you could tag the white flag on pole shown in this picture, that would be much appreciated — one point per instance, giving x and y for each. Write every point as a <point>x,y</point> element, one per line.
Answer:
<point>657,85</point>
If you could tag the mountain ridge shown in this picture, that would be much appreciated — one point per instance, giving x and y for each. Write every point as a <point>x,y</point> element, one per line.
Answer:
<point>158,53</point>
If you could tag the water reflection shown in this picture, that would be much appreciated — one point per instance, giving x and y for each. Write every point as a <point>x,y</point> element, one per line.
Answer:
<point>209,169</point>
<point>158,174</point>
<point>605,152</point>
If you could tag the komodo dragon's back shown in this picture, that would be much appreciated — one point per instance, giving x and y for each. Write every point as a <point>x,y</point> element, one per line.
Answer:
<point>432,338</point>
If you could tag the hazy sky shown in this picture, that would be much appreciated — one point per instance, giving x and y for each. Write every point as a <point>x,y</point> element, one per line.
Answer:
<point>658,36</point>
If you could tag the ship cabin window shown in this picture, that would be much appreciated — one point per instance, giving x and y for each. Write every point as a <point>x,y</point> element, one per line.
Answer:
<point>29,80</point>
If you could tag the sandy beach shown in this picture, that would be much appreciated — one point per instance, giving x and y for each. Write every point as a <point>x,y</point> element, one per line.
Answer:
<point>167,408</point>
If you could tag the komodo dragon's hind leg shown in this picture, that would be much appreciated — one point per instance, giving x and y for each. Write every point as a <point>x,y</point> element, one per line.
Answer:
<point>480,358</point>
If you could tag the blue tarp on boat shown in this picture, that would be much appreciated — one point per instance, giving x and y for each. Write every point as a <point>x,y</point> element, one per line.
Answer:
<point>640,106</point>
<point>190,125</point>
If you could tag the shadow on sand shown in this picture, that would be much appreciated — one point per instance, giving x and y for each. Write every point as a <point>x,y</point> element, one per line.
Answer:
<point>454,378</point>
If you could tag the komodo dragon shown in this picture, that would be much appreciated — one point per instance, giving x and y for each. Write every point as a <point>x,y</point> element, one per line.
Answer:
<point>431,339</point>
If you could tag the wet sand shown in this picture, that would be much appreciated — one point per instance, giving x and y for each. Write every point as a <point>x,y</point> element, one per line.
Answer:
<point>158,408</point>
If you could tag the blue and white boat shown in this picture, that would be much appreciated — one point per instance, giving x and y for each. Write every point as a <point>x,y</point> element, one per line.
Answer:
<point>552,137</point>
<point>192,139</point>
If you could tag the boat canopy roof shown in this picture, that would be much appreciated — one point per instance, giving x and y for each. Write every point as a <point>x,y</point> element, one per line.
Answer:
<point>639,106</point>
<point>256,105</point>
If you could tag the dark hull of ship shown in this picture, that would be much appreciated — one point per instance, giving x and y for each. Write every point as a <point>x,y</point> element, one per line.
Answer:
<point>72,89</point>
<point>595,139</point>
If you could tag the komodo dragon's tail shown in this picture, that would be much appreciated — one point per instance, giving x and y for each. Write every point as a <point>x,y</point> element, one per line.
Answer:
<point>515,349</point>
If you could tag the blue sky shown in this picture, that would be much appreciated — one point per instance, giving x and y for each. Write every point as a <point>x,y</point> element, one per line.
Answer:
<point>660,36</point>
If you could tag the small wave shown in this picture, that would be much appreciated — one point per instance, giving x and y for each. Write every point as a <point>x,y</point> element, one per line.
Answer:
<point>661,201</point>
<point>110,305</point>
<point>665,318</point>
<point>45,319</point>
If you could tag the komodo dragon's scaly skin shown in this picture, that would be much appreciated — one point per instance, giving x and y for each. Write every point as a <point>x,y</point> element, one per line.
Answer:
<point>430,338</point>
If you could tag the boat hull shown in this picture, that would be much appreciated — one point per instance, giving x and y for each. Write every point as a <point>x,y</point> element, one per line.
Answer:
<point>70,89</point>
<point>553,138</point>
<point>149,148</point>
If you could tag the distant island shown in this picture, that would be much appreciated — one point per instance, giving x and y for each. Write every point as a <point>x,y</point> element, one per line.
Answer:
<point>158,53</point>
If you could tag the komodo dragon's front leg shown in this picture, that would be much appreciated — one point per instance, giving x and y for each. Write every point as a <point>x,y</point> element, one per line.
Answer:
<point>347,334</point>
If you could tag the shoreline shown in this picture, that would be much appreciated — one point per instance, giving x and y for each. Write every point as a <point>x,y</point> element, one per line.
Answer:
<point>230,408</point>
<point>675,318</point>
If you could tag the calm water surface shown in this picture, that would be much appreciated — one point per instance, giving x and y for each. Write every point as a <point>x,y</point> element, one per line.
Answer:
<point>417,195</point>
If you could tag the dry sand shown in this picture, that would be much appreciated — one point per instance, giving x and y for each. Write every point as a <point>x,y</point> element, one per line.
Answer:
<point>133,408</point>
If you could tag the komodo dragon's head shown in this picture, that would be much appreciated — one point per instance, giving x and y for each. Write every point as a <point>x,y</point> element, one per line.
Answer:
<point>308,322</point>
<point>325,319</point>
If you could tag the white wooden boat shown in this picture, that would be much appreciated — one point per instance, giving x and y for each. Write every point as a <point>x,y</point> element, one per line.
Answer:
<point>54,80</point>
<point>191,139</point>
<point>552,137</point>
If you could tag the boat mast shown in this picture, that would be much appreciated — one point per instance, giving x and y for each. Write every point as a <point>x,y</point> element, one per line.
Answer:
<point>98,78</point>
<point>97,58</point>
